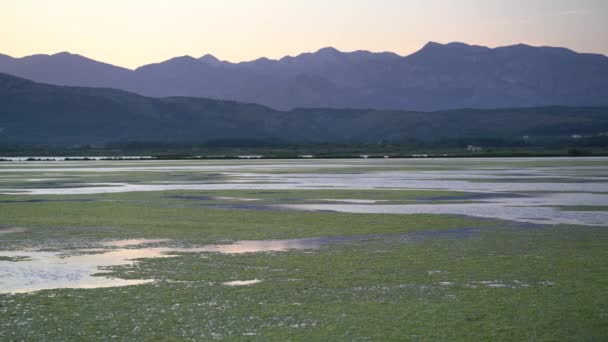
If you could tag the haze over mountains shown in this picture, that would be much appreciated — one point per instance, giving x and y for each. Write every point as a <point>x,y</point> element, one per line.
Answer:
<point>36,113</point>
<point>437,77</point>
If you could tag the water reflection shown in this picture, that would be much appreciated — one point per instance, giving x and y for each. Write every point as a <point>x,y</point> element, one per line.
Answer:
<point>564,175</point>
<point>52,270</point>
<point>541,208</point>
<point>10,230</point>
<point>28,271</point>
<point>242,282</point>
<point>241,247</point>
<point>353,201</point>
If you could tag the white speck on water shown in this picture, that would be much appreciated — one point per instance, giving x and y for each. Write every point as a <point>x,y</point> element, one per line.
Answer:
<point>242,282</point>
<point>496,285</point>
<point>11,230</point>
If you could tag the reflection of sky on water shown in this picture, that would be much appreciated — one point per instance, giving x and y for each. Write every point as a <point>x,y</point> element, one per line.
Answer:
<point>533,199</point>
<point>453,175</point>
<point>541,215</point>
<point>242,282</point>
<point>569,182</point>
<point>370,180</point>
<point>50,270</point>
<point>10,230</point>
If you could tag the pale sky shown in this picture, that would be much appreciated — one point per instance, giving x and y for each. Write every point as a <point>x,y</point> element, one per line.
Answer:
<point>131,33</point>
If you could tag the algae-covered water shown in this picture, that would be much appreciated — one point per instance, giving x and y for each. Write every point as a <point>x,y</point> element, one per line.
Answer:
<point>373,249</point>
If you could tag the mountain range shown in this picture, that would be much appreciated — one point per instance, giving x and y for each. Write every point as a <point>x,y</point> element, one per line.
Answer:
<point>437,77</point>
<point>44,114</point>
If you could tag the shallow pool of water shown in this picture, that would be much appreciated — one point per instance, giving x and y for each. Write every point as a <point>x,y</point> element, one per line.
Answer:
<point>511,191</point>
<point>34,270</point>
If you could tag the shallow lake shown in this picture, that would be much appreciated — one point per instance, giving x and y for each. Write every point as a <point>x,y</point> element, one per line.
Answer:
<point>523,189</point>
<point>544,191</point>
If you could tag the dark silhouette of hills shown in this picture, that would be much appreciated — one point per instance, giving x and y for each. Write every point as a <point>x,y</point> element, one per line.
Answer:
<point>37,113</point>
<point>438,77</point>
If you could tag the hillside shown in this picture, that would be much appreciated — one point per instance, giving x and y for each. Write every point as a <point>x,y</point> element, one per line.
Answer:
<point>35,113</point>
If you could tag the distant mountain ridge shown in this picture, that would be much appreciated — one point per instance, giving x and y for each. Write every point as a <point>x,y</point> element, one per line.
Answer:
<point>437,77</point>
<point>37,113</point>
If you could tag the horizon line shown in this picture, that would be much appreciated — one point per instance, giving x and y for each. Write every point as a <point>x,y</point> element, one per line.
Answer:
<point>429,43</point>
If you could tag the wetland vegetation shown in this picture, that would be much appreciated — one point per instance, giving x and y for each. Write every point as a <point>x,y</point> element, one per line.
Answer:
<point>458,249</point>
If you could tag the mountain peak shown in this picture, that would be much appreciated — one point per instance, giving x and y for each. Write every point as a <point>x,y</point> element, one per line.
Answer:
<point>186,61</point>
<point>208,58</point>
<point>69,55</point>
<point>181,59</point>
<point>452,45</point>
<point>439,76</point>
<point>63,53</point>
<point>64,58</point>
<point>438,50</point>
<point>431,45</point>
<point>323,55</point>
<point>459,45</point>
<point>328,51</point>
<point>264,60</point>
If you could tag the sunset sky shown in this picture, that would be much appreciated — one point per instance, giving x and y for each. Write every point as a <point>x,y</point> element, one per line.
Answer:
<point>131,33</point>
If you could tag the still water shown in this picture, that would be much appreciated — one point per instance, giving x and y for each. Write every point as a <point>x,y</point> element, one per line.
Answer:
<point>531,190</point>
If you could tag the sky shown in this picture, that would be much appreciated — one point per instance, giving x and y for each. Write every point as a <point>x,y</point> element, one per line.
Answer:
<point>132,33</point>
